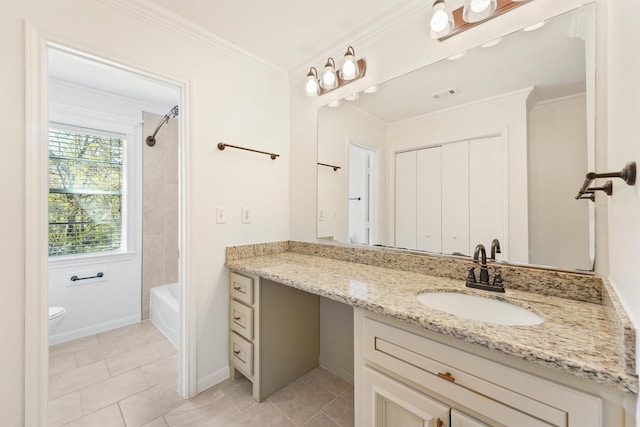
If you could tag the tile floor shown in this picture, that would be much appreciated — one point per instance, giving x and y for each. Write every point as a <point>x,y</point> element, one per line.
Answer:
<point>128,377</point>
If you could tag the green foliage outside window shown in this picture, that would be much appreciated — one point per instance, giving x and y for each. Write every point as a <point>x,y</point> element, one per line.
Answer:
<point>85,192</point>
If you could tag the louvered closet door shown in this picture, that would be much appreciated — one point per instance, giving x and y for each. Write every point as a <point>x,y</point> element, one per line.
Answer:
<point>405,206</point>
<point>429,199</point>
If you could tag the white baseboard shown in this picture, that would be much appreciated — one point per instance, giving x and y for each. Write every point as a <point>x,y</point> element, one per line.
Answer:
<point>212,379</point>
<point>340,371</point>
<point>93,329</point>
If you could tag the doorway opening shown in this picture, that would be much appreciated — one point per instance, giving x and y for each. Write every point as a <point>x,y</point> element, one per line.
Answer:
<point>361,194</point>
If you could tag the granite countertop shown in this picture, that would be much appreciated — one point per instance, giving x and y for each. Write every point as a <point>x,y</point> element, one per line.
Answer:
<point>575,337</point>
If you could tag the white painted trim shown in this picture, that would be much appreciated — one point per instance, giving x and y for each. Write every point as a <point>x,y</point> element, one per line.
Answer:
<point>36,230</point>
<point>213,379</point>
<point>560,101</point>
<point>94,329</point>
<point>336,369</point>
<point>36,248</point>
<point>153,14</point>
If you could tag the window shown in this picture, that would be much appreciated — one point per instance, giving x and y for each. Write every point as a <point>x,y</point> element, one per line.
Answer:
<point>85,191</point>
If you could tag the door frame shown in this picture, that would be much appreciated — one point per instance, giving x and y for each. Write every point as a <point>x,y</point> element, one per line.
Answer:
<point>36,219</point>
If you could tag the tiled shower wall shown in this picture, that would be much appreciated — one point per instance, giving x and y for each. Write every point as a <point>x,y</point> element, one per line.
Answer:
<point>159,207</point>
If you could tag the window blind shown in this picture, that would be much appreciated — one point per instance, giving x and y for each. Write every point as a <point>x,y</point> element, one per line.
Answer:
<point>85,192</point>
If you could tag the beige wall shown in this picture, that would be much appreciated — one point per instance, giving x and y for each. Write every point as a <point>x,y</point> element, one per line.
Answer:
<point>231,97</point>
<point>159,206</point>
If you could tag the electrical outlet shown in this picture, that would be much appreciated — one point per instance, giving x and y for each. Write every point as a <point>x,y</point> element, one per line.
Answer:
<point>220,216</point>
<point>246,215</point>
<point>321,215</point>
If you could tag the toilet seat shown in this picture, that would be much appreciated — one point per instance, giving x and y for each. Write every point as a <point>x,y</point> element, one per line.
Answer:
<point>55,312</point>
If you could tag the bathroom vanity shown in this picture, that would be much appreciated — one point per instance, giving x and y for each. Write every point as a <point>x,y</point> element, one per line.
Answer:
<point>415,365</point>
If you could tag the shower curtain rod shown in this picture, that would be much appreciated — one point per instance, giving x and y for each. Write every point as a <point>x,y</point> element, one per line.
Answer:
<point>151,139</point>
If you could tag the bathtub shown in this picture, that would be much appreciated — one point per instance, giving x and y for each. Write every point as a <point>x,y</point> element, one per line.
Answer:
<point>163,310</point>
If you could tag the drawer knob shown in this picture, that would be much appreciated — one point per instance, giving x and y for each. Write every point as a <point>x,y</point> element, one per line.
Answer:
<point>236,352</point>
<point>236,318</point>
<point>447,376</point>
<point>238,288</point>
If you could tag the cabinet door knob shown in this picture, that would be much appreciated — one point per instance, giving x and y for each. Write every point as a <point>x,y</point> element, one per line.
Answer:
<point>236,318</point>
<point>236,352</point>
<point>447,376</point>
<point>237,288</point>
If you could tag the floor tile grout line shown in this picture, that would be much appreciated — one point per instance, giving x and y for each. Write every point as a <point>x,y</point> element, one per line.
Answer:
<point>332,419</point>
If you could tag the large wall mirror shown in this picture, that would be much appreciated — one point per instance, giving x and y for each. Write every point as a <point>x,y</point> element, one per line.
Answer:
<point>490,144</point>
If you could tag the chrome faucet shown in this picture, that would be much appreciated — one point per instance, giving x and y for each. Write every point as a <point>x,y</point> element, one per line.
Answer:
<point>480,255</point>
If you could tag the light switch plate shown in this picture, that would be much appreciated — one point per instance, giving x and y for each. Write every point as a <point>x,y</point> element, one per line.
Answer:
<point>220,216</point>
<point>246,215</point>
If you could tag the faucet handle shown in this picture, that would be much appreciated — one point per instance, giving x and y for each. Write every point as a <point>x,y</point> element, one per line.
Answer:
<point>497,278</point>
<point>471,277</point>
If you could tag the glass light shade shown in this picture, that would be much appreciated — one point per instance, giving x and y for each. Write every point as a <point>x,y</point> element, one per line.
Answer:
<point>328,78</point>
<point>441,22</point>
<point>478,10</point>
<point>350,69</point>
<point>311,87</point>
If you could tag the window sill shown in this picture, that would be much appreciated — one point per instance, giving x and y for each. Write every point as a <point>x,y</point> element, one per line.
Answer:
<point>91,259</point>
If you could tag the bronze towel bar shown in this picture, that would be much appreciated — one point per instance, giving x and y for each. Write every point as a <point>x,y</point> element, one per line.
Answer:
<point>335,168</point>
<point>627,174</point>
<point>222,146</point>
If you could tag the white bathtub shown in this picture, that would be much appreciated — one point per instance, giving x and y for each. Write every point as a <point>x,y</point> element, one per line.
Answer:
<point>163,310</point>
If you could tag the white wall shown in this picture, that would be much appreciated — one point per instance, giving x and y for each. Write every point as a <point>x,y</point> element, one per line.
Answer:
<point>623,145</point>
<point>231,98</point>
<point>338,127</point>
<point>557,162</point>
<point>503,115</point>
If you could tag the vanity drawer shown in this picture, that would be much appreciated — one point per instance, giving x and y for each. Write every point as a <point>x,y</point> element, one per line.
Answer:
<point>241,354</point>
<point>241,288</point>
<point>481,385</point>
<point>241,319</point>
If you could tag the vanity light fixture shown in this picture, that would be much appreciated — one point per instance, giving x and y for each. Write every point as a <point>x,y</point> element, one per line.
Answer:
<point>329,78</point>
<point>441,22</point>
<point>472,13</point>
<point>312,86</point>
<point>352,69</point>
<point>478,10</point>
<point>349,69</point>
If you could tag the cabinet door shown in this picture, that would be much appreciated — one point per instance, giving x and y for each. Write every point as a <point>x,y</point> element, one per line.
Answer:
<point>388,403</point>
<point>459,419</point>
<point>429,203</point>
<point>405,206</point>
<point>455,198</point>
<point>487,193</point>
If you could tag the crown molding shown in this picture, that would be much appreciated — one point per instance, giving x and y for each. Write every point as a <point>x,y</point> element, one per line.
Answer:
<point>368,32</point>
<point>153,14</point>
<point>560,101</point>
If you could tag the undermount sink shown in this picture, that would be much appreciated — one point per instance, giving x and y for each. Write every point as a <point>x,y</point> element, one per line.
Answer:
<point>480,308</point>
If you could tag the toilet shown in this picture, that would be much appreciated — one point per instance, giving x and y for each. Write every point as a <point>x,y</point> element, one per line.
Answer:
<point>55,317</point>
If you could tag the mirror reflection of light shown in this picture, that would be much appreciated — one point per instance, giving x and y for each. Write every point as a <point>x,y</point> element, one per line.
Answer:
<point>534,26</point>
<point>492,42</point>
<point>457,55</point>
<point>372,89</point>
<point>336,103</point>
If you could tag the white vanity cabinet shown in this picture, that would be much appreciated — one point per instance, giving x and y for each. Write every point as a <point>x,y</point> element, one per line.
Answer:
<point>273,332</point>
<point>398,368</point>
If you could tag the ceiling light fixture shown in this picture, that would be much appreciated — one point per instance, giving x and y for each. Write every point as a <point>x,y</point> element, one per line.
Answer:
<point>352,69</point>
<point>478,10</point>
<point>441,22</point>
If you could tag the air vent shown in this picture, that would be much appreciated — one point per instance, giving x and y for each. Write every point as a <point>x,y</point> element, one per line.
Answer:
<point>445,93</point>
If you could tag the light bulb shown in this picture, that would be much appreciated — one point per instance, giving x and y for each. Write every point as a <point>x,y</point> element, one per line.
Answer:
<point>439,21</point>
<point>329,80</point>
<point>350,69</point>
<point>311,87</point>
<point>479,5</point>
